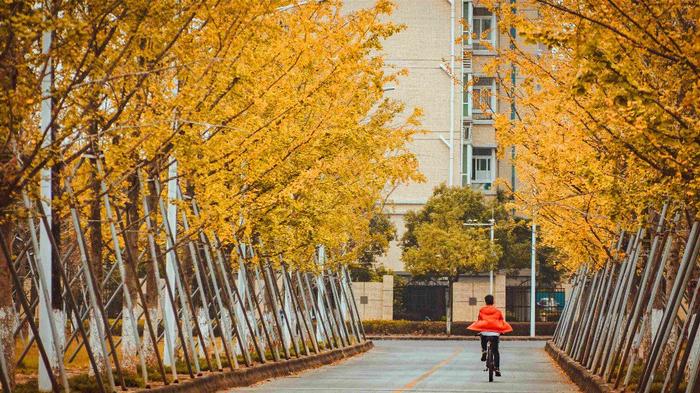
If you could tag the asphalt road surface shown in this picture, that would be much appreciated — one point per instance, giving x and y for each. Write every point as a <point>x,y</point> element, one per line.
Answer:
<point>429,366</point>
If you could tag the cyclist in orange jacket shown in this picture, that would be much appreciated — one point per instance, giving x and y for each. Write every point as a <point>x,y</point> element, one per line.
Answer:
<point>490,326</point>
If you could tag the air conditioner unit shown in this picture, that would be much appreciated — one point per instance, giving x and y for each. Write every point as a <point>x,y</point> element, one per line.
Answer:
<point>482,116</point>
<point>467,58</point>
<point>481,187</point>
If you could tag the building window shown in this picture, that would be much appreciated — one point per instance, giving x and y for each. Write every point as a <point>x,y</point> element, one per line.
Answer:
<point>483,168</point>
<point>483,29</point>
<point>483,165</point>
<point>483,98</point>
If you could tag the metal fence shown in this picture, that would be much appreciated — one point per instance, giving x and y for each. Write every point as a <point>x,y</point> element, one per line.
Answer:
<point>548,304</point>
<point>420,302</point>
<point>634,322</point>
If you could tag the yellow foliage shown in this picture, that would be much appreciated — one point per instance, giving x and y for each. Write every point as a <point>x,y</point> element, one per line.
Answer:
<point>607,120</point>
<point>275,114</point>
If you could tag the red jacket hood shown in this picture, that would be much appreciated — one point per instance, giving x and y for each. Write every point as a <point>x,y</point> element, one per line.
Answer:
<point>491,320</point>
<point>490,311</point>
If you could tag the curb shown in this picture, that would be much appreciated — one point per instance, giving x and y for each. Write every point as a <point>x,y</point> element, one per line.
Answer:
<point>455,338</point>
<point>581,376</point>
<point>248,376</point>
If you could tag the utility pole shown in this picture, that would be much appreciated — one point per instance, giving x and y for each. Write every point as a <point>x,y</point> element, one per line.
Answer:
<point>491,224</point>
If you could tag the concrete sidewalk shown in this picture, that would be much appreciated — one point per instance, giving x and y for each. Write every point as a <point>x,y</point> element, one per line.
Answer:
<point>430,366</point>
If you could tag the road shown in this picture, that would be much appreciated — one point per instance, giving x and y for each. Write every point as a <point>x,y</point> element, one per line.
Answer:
<point>429,366</point>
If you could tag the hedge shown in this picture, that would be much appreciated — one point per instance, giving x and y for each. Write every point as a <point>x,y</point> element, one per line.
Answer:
<point>403,327</point>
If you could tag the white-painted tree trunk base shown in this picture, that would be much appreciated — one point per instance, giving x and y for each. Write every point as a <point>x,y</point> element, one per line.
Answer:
<point>286,339</point>
<point>129,345</point>
<point>273,332</point>
<point>258,332</point>
<point>644,337</point>
<point>288,309</point>
<point>202,321</point>
<point>321,317</point>
<point>286,319</point>
<point>657,315</point>
<point>149,350</point>
<point>169,325</point>
<point>344,307</point>
<point>319,330</point>
<point>227,330</point>
<point>189,331</point>
<point>96,341</point>
<point>8,324</point>
<point>59,318</point>
<point>240,310</point>
<point>694,352</point>
<point>243,333</point>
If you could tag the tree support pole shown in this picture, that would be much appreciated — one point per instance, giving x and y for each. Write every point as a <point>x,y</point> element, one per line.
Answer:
<point>28,311</point>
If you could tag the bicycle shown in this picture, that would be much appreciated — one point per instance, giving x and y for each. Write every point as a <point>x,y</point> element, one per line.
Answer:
<point>490,362</point>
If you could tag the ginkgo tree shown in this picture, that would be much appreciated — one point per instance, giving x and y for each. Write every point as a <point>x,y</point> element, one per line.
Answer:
<point>606,115</point>
<point>275,116</point>
<point>438,245</point>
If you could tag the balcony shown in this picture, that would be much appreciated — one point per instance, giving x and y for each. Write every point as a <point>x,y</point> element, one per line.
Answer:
<point>485,187</point>
<point>480,99</point>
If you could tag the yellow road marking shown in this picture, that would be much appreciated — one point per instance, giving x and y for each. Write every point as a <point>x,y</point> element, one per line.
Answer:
<point>428,373</point>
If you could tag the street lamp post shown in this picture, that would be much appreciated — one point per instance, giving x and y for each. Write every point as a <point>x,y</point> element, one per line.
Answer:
<point>491,223</point>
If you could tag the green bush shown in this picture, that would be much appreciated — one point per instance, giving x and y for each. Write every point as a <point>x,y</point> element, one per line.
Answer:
<point>403,327</point>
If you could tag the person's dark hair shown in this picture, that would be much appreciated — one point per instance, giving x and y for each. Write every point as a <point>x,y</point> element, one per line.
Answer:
<point>489,300</point>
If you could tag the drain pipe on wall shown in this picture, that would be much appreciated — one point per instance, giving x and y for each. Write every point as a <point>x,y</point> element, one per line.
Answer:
<point>470,99</point>
<point>450,171</point>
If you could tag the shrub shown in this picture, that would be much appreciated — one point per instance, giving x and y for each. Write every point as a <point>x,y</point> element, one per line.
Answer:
<point>403,327</point>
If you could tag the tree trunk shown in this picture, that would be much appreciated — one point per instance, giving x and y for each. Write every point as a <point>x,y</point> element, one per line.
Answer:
<point>56,289</point>
<point>131,237</point>
<point>152,285</point>
<point>7,311</point>
<point>9,62</point>
<point>448,307</point>
<point>676,257</point>
<point>94,239</point>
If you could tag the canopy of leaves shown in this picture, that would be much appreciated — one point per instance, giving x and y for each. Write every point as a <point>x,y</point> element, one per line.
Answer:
<point>438,244</point>
<point>608,96</point>
<point>275,114</point>
<point>381,232</point>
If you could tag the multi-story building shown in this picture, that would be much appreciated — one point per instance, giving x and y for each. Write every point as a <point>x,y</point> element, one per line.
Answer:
<point>447,79</point>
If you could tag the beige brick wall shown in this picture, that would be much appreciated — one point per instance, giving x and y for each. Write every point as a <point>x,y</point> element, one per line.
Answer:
<point>420,48</point>
<point>476,287</point>
<point>375,300</point>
